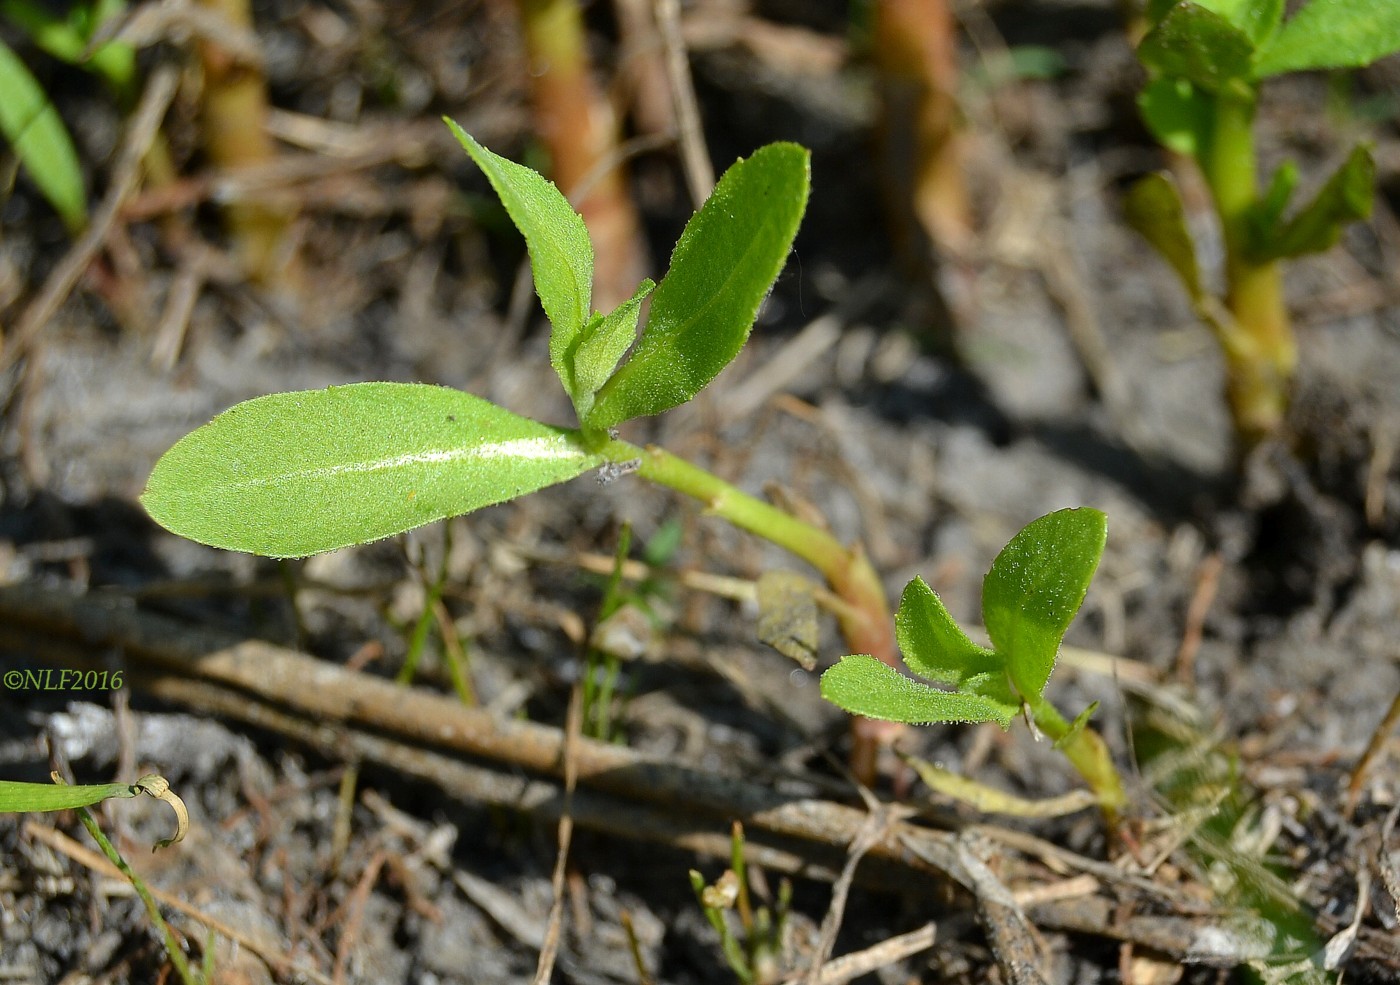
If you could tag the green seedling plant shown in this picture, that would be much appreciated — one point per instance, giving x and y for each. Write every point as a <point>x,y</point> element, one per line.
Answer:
<point>292,474</point>
<point>1030,596</point>
<point>19,797</point>
<point>754,949</point>
<point>1206,60</point>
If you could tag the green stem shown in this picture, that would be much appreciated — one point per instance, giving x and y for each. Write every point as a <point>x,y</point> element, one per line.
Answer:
<point>867,623</point>
<point>1260,352</point>
<point>1088,753</point>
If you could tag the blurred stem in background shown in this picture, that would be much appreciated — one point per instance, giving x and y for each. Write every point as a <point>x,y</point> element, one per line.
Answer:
<point>915,49</point>
<point>579,129</point>
<point>235,136</point>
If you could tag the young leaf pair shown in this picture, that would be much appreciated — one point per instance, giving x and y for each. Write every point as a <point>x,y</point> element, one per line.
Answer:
<point>1030,596</point>
<point>292,474</point>
<point>721,270</point>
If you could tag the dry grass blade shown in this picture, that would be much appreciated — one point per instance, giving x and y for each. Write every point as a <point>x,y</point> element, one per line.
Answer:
<point>1012,936</point>
<point>145,122</point>
<point>573,727</point>
<point>840,970</point>
<point>875,829</point>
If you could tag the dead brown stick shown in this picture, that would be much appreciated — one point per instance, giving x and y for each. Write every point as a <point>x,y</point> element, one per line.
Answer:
<point>145,123</point>
<point>620,791</point>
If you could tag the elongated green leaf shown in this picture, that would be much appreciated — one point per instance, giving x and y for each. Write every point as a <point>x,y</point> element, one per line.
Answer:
<point>561,255</point>
<point>863,685</point>
<point>40,140</point>
<point>1197,45</point>
<point>602,344</point>
<point>933,644</point>
<point>1153,207</point>
<point>1035,588</point>
<point>17,797</point>
<point>1345,198</point>
<point>1332,34</point>
<point>722,268</point>
<point>292,474</point>
<point>1178,114</point>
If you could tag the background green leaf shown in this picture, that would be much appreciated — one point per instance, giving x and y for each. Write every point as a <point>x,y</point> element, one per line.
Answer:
<point>1177,113</point>
<point>1153,207</point>
<point>1035,588</point>
<point>1332,34</point>
<point>561,255</point>
<point>1198,45</point>
<point>34,129</point>
<point>1346,197</point>
<point>1257,19</point>
<point>292,474</point>
<point>67,38</point>
<point>863,685</point>
<point>722,268</point>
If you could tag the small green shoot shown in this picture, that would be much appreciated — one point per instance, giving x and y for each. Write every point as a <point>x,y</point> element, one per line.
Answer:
<point>33,128</point>
<point>753,950</point>
<point>1030,596</point>
<point>1206,61</point>
<point>23,798</point>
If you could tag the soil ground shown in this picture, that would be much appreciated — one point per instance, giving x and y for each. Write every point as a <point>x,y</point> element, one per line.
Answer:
<point>1253,606</point>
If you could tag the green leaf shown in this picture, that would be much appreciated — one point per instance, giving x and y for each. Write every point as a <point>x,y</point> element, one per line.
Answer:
<point>933,644</point>
<point>1332,34</point>
<point>1197,45</point>
<point>1155,10</point>
<point>1035,588</point>
<point>1257,19</point>
<point>1345,198</point>
<point>863,685</point>
<point>602,344</point>
<point>561,255</point>
<point>1266,217</point>
<point>17,797</point>
<point>722,268</point>
<point>67,39</point>
<point>1178,114</point>
<point>292,474</point>
<point>34,129</point>
<point>1153,207</point>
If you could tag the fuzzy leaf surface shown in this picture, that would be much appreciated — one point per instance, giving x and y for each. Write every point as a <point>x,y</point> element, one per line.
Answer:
<point>1153,207</point>
<point>863,685</point>
<point>292,474</point>
<point>1332,34</point>
<point>1035,588</point>
<point>31,125</point>
<point>602,344</point>
<point>1345,198</point>
<point>934,646</point>
<point>723,267</point>
<point>561,255</point>
<point>1197,45</point>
